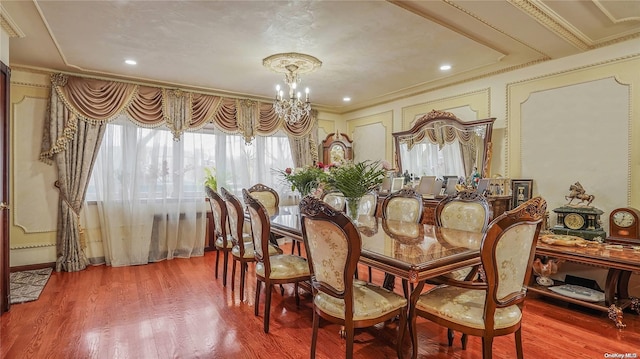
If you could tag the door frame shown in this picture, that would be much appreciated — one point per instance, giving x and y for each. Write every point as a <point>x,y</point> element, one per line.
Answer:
<point>5,74</point>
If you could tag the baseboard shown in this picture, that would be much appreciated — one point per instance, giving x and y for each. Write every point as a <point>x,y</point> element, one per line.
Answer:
<point>32,267</point>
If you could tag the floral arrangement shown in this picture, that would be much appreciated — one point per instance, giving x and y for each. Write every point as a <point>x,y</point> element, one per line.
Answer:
<point>354,180</point>
<point>304,179</point>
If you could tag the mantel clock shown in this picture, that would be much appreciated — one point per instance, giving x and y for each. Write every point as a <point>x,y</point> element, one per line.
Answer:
<point>581,221</point>
<point>624,226</point>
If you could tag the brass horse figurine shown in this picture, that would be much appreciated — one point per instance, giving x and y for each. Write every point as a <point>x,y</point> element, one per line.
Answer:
<point>578,192</point>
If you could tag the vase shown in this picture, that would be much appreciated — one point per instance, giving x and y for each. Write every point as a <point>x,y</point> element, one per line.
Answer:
<point>352,207</point>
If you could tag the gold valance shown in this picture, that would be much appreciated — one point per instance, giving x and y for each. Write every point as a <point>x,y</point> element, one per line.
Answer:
<point>101,101</point>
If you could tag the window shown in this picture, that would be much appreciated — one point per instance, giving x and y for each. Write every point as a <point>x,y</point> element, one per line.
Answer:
<point>147,163</point>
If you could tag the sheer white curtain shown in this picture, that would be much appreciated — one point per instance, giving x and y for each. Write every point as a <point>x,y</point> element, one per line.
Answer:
<point>240,165</point>
<point>427,159</point>
<point>148,189</point>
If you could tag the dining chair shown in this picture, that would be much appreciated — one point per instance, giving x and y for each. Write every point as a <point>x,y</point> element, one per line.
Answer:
<point>275,269</point>
<point>222,243</point>
<point>265,195</point>
<point>367,207</point>
<point>242,251</point>
<point>270,199</point>
<point>467,211</point>
<point>335,199</point>
<point>333,246</point>
<point>403,205</point>
<point>493,307</point>
<point>368,204</point>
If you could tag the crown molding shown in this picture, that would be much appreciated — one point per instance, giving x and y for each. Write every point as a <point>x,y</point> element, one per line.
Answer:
<point>8,24</point>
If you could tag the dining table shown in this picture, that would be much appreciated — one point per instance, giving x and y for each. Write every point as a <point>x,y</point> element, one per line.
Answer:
<point>411,251</point>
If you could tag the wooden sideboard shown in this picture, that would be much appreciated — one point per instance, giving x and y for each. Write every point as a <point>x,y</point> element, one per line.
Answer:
<point>498,205</point>
<point>620,263</point>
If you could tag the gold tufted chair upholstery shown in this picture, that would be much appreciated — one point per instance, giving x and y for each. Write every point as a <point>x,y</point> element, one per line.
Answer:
<point>492,308</point>
<point>403,205</point>
<point>335,199</point>
<point>242,251</point>
<point>271,270</point>
<point>223,243</point>
<point>467,211</point>
<point>266,195</point>
<point>333,245</point>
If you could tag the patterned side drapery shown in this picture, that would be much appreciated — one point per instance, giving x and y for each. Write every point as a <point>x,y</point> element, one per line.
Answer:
<point>100,101</point>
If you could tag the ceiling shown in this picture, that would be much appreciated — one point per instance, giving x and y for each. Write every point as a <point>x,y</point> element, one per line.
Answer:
<point>371,51</point>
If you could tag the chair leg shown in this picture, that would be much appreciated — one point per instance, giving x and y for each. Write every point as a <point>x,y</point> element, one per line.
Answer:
<point>402,327</point>
<point>233,275</point>
<point>349,339</point>
<point>224,268</point>
<point>217,261</point>
<point>257,304</point>
<point>518,335</point>
<point>463,339</point>
<point>487,344</point>
<point>405,288</point>
<point>450,337</point>
<point>314,335</point>
<point>413,332</point>
<point>267,306</point>
<point>369,274</point>
<point>297,295</point>
<point>281,290</point>
<point>243,273</point>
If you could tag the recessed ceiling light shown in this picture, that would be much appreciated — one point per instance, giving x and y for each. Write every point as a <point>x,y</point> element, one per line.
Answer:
<point>130,62</point>
<point>346,99</point>
<point>445,67</point>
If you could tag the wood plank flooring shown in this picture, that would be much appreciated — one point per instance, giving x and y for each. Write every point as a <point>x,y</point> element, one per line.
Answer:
<point>177,309</point>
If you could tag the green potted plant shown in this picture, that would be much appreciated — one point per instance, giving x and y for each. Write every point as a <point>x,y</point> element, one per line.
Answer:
<point>304,179</point>
<point>210,179</point>
<point>354,180</point>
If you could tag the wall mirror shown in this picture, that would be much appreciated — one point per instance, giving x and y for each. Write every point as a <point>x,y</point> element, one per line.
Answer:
<point>440,144</point>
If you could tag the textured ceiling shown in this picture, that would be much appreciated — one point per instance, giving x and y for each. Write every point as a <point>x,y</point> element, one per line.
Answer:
<point>372,51</point>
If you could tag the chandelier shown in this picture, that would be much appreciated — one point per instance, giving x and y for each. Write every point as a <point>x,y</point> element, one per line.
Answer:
<point>292,108</point>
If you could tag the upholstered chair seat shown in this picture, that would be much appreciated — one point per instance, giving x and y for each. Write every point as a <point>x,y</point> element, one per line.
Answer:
<point>465,307</point>
<point>369,302</point>
<point>220,243</point>
<point>284,266</point>
<point>249,252</point>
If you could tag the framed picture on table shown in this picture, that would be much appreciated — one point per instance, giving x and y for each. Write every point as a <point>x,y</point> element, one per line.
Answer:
<point>521,191</point>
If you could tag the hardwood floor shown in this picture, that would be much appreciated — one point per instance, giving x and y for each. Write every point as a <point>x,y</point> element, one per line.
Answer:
<point>177,309</point>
